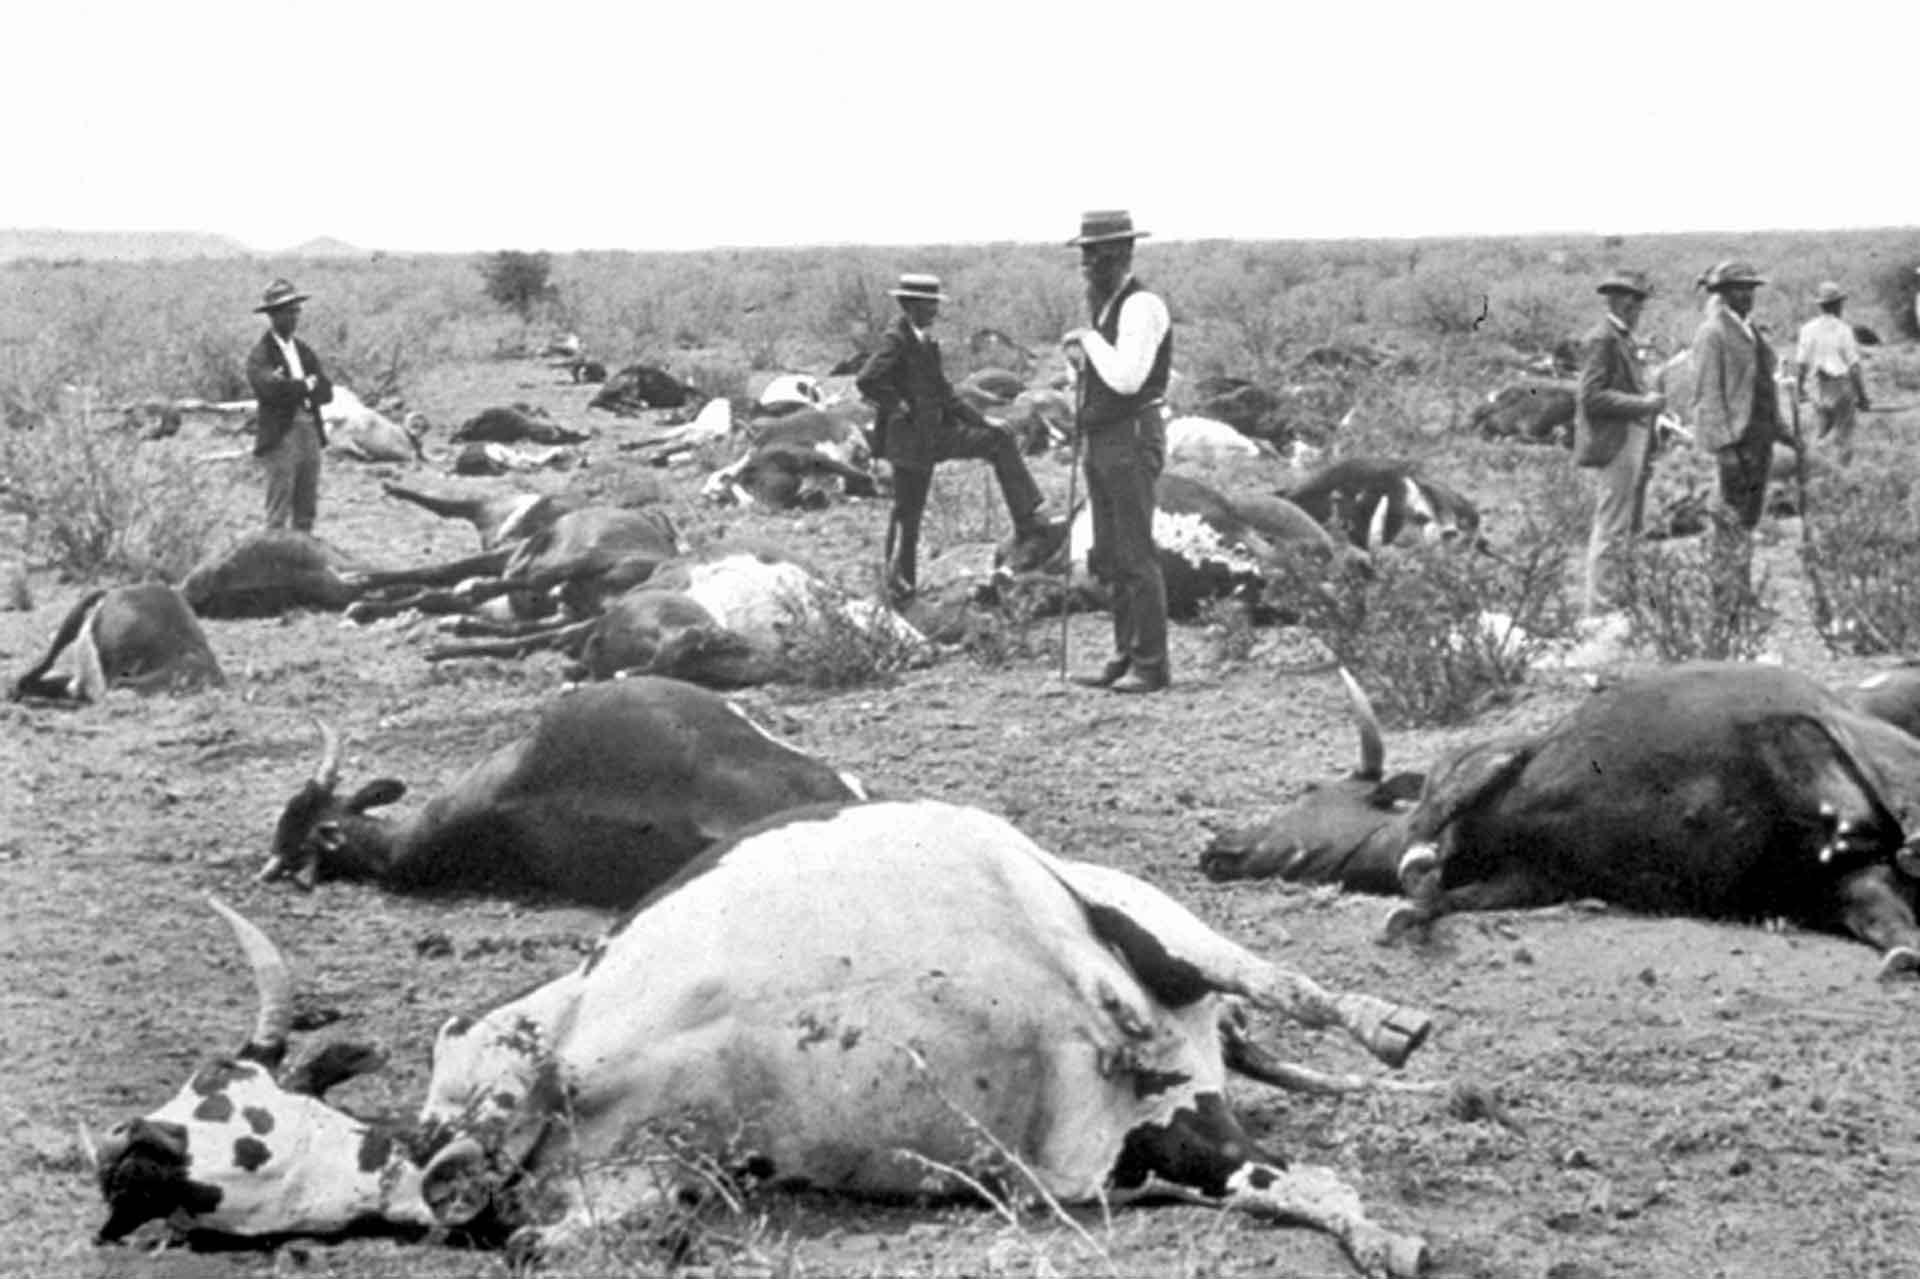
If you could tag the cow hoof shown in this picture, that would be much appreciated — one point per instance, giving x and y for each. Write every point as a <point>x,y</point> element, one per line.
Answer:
<point>1401,921</point>
<point>1901,961</point>
<point>1399,1036</point>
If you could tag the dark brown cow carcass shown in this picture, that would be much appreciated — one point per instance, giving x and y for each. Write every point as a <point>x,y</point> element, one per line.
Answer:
<point>141,637</point>
<point>614,790</point>
<point>1727,791</point>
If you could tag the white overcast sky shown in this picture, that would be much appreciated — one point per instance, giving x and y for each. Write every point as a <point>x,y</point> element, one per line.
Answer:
<point>690,123</point>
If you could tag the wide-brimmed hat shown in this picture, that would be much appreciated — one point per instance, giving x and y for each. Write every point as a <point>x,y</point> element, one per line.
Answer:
<point>918,284</point>
<point>1734,274</point>
<point>1828,293</point>
<point>1103,226</point>
<point>1634,282</point>
<point>280,293</point>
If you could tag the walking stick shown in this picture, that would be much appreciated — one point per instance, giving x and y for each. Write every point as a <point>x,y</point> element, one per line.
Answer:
<point>1809,553</point>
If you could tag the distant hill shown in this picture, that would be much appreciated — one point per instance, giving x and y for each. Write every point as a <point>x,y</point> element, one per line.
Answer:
<point>326,246</point>
<point>56,245</point>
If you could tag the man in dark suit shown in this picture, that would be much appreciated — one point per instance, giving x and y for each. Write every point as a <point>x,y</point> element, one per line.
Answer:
<point>289,386</point>
<point>923,422</point>
<point>1613,424</point>
<point>1736,416</point>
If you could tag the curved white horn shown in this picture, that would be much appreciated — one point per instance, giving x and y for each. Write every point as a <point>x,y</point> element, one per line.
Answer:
<point>1373,751</point>
<point>89,1148</point>
<point>327,774</point>
<point>270,978</point>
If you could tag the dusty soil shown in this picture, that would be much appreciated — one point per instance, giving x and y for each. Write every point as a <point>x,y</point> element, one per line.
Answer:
<point>1687,1098</point>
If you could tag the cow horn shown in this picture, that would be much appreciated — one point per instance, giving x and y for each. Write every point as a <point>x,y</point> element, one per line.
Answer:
<point>1373,752</point>
<point>89,1148</point>
<point>327,775</point>
<point>270,978</point>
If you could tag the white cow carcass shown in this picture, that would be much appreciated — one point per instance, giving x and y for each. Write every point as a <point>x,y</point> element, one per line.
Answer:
<point>885,999</point>
<point>356,431</point>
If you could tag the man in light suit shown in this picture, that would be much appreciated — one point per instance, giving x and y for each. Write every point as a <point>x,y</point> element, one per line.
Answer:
<point>289,386</point>
<point>1613,422</point>
<point>1736,412</point>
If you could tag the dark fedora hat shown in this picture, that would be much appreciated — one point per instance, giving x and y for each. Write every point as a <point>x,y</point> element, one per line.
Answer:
<point>1102,226</point>
<point>280,293</point>
<point>1733,275</point>
<point>1634,282</point>
<point>918,284</point>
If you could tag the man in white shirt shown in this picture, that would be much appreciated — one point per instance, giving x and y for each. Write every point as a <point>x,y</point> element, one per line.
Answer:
<point>1826,364</point>
<point>1124,361</point>
<point>289,387</point>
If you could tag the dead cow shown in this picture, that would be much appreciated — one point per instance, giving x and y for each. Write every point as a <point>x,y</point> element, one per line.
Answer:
<point>784,1007</point>
<point>1374,501</point>
<point>616,788</point>
<point>639,387</point>
<point>269,573</point>
<point>518,424</point>
<point>1728,791</point>
<point>141,637</point>
<point>1531,412</point>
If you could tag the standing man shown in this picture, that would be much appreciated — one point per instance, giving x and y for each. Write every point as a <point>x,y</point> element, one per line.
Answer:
<point>1123,362</point>
<point>1613,423</point>
<point>922,422</point>
<point>1829,354</point>
<point>290,387</point>
<point>1736,415</point>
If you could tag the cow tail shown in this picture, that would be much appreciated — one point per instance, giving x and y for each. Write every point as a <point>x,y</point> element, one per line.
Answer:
<point>33,683</point>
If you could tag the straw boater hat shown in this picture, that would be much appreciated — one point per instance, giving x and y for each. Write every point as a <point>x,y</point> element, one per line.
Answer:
<point>1634,282</point>
<point>280,293</point>
<point>1735,274</point>
<point>1105,225</point>
<point>1829,294</point>
<point>919,285</point>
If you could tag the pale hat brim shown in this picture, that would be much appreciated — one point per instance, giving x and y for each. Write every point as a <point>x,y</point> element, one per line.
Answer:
<point>278,303</point>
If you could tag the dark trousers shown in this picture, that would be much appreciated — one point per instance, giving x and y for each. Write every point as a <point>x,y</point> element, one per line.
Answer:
<point>960,441</point>
<point>1744,466</point>
<point>1123,461</point>
<point>293,477</point>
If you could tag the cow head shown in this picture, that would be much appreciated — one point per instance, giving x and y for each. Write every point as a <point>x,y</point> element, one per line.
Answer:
<point>1350,831</point>
<point>236,1153</point>
<point>322,836</point>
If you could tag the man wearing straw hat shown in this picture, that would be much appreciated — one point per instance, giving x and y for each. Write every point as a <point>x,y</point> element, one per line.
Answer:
<point>1736,416</point>
<point>922,422</point>
<point>1613,424</point>
<point>290,387</point>
<point>1828,357</point>
<point>1124,361</point>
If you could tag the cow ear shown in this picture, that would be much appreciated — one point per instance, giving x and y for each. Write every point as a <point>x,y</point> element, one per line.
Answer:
<point>381,791</point>
<point>1470,777</point>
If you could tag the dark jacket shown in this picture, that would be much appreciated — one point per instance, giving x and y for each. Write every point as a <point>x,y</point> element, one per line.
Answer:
<point>282,399</point>
<point>910,391</point>
<point>1611,394</point>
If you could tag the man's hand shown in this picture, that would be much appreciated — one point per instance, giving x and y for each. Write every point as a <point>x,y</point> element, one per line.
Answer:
<point>1655,401</point>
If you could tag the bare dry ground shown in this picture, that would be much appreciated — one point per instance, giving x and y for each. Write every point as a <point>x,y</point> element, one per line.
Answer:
<point>1687,1098</point>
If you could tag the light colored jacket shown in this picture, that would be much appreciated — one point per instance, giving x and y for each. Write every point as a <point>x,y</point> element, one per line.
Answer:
<point>1728,369</point>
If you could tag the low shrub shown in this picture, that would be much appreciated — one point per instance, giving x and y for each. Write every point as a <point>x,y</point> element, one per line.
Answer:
<point>834,641</point>
<point>1862,559</point>
<point>1435,632</point>
<point>101,504</point>
<point>1682,606</point>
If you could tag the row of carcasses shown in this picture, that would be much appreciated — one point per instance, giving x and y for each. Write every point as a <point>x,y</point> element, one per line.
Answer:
<point>617,588</point>
<point>772,999</point>
<point>773,970</point>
